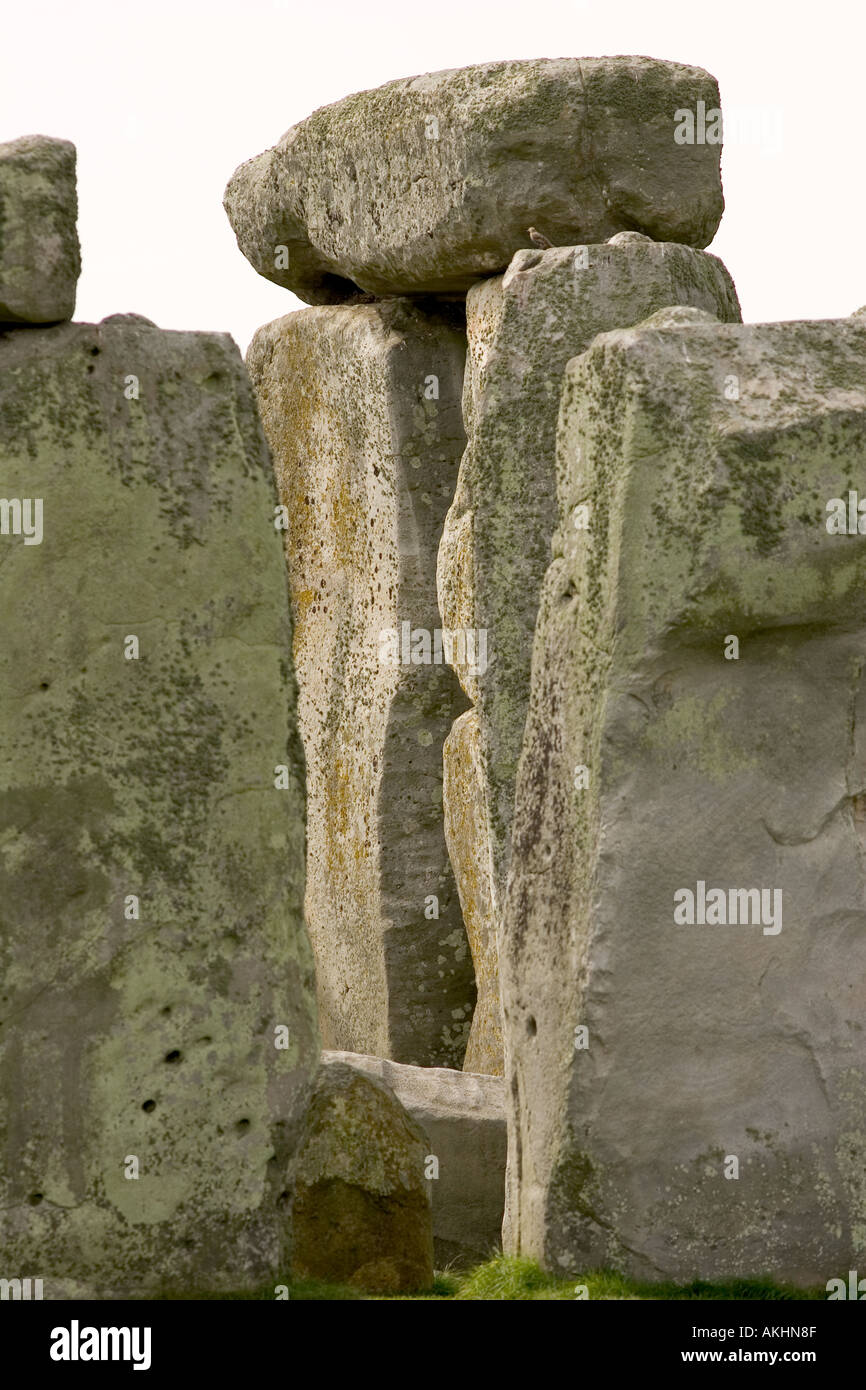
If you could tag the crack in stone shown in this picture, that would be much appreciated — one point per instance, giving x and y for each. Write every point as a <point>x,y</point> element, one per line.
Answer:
<point>788,840</point>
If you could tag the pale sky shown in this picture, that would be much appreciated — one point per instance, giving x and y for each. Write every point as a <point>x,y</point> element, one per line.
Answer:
<point>165,98</point>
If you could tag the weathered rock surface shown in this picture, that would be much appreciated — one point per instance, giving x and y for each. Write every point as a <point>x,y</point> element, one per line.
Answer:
<point>463,1117</point>
<point>706,455</point>
<point>151,874</point>
<point>467,834</point>
<point>523,327</point>
<point>362,1205</point>
<point>426,184</point>
<point>361,408</point>
<point>39,255</point>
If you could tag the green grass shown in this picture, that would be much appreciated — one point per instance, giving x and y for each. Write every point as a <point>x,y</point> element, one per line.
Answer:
<point>516,1278</point>
<point>513,1278</point>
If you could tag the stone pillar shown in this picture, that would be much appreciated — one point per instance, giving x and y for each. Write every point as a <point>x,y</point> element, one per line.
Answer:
<point>523,327</point>
<point>683,949</point>
<point>468,839</point>
<point>40,259</point>
<point>157,1013</point>
<point>361,405</point>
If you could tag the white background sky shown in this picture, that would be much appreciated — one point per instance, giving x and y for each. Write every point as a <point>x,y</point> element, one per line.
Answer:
<point>166,97</point>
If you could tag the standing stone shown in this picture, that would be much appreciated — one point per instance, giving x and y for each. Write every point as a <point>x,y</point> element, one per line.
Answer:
<point>463,1117</point>
<point>700,650</point>
<point>362,1208</point>
<point>157,1014</point>
<point>523,327</point>
<point>467,834</point>
<point>361,406</point>
<point>426,184</point>
<point>39,255</point>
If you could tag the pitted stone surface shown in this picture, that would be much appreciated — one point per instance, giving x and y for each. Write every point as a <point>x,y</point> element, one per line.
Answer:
<point>39,257</point>
<point>463,1116</point>
<point>361,406</point>
<point>467,832</point>
<point>363,1205</point>
<point>645,1052</point>
<point>429,183</point>
<point>523,327</point>
<point>151,873</point>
